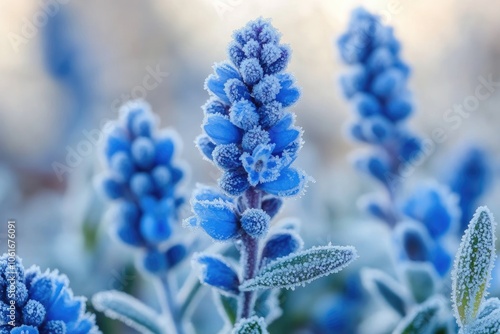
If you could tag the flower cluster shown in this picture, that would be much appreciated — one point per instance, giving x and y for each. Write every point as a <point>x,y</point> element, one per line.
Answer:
<point>32,302</point>
<point>142,179</point>
<point>376,86</point>
<point>248,132</point>
<point>435,213</point>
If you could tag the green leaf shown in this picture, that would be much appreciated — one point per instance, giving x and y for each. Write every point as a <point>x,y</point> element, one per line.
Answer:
<point>473,266</point>
<point>385,288</point>
<point>423,320</point>
<point>129,310</point>
<point>253,325</point>
<point>421,279</point>
<point>301,267</point>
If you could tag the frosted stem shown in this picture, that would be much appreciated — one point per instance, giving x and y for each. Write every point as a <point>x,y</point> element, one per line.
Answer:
<point>249,258</point>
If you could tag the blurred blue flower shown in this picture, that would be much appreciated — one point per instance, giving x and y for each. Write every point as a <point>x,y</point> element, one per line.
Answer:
<point>376,84</point>
<point>470,180</point>
<point>142,178</point>
<point>248,133</point>
<point>39,303</point>
<point>433,206</point>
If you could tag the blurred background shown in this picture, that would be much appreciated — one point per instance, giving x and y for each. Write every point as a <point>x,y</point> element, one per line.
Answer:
<point>67,65</point>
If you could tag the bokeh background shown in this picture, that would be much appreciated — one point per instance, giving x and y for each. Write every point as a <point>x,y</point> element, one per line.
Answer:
<point>67,65</point>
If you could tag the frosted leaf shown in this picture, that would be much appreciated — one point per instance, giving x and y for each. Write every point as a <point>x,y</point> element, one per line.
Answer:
<point>487,325</point>
<point>127,309</point>
<point>385,288</point>
<point>473,266</point>
<point>301,267</point>
<point>423,319</point>
<point>488,307</point>
<point>421,278</point>
<point>253,325</point>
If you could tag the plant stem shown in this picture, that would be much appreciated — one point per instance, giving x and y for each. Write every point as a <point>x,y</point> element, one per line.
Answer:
<point>249,258</point>
<point>169,305</point>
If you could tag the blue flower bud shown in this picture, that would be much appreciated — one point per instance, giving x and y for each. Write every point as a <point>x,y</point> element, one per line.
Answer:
<point>433,206</point>
<point>354,81</point>
<point>380,59</point>
<point>255,222</point>
<point>175,254</point>
<point>281,244</point>
<point>214,106</point>
<point>154,230</point>
<point>234,182</point>
<point>244,115</point>
<point>281,63</point>
<point>33,313</point>
<point>252,50</point>
<point>214,271</point>
<point>143,125</point>
<point>387,83</point>
<point>399,108</point>
<point>155,262</point>
<point>161,176</point>
<point>205,146</point>
<point>122,166</point>
<point>24,330</point>
<point>116,142</point>
<point>236,54</point>
<point>414,242</point>
<point>251,71</point>
<point>227,156</point>
<point>236,90</point>
<point>164,149</point>
<point>374,165</point>
<point>267,89</point>
<point>112,187</point>
<point>143,152</point>
<point>270,114</point>
<point>366,105</point>
<point>255,137</point>
<point>141,184</point>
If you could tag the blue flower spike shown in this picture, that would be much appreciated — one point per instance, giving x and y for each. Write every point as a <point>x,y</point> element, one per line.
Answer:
<point>143,177</point>
<point>376,85</point>
<point>250,135</point>
<point>38,302</point>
